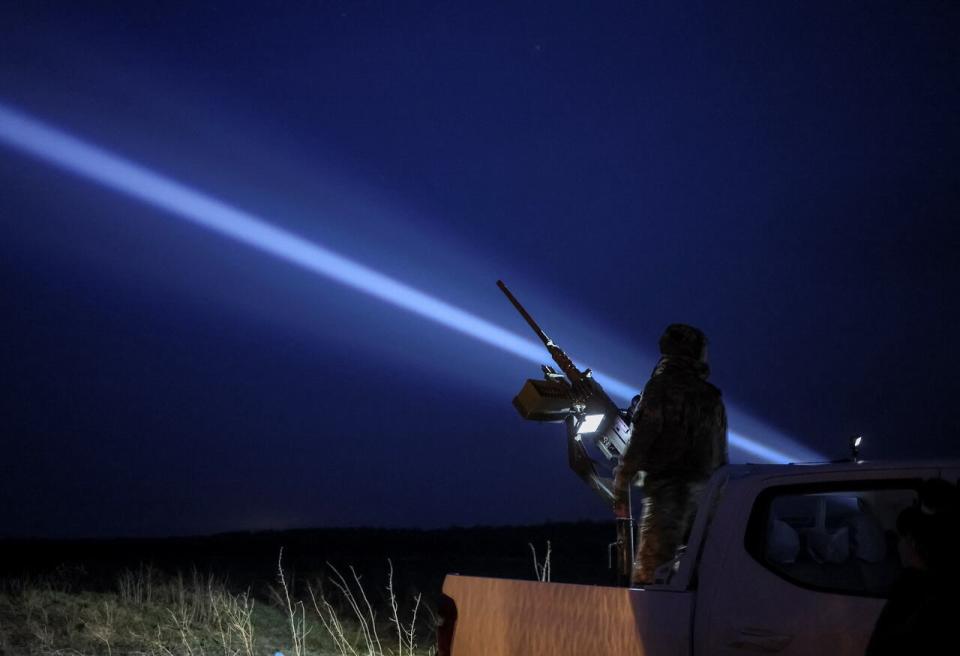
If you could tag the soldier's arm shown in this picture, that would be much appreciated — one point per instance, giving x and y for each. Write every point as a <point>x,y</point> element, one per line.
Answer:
<point>647,426</point>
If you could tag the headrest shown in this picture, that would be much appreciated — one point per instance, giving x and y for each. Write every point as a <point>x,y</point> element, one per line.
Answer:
<point>783,543</point>
<point>826,547</point>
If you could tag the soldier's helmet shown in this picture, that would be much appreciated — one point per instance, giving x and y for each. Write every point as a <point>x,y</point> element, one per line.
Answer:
<point>681,339</point>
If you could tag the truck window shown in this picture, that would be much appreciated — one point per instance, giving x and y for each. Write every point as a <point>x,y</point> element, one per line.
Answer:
<point>832,540</point>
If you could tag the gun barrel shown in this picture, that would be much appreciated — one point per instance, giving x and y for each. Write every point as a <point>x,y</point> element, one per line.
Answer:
<point>562,359</point>
<point>526,315</point>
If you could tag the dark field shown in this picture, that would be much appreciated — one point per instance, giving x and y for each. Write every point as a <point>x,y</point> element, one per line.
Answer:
<point>223,594</point>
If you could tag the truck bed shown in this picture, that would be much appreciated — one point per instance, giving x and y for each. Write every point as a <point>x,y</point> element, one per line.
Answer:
<point>504,617</point>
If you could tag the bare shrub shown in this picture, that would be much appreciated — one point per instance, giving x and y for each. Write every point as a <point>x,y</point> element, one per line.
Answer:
<point>296,613</point>
<point>541,571</point>
<point>136,587</point>
<point>367,641</point>
<point>102,623</point>
<point>233,618</point>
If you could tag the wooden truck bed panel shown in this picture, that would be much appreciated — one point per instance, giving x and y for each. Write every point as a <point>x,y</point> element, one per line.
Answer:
<point>502,617</point>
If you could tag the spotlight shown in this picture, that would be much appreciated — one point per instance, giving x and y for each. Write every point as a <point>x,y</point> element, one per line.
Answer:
<point>855,442</point>
<point>589,424</point>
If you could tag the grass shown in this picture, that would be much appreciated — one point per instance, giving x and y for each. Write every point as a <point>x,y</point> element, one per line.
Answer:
<point>147,613</point>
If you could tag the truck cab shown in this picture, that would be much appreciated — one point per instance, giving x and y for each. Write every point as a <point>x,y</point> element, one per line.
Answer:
<point>786,559</point>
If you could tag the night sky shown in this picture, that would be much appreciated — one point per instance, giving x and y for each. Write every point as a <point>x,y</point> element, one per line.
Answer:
<point>783,175</point>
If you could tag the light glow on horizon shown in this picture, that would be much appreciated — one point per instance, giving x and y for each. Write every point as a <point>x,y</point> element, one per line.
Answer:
<point>88,161</point>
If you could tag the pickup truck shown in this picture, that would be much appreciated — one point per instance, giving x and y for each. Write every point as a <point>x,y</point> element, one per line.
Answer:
<point>786,559</point>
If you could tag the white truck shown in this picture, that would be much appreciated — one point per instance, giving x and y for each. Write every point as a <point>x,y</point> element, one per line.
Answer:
<point>785,559</point>
<point>791,559</point>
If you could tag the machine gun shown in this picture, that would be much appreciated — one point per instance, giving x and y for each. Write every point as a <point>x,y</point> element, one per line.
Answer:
<point>575,398</point>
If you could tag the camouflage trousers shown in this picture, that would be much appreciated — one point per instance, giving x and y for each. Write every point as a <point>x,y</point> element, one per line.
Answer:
<point>669,506</point>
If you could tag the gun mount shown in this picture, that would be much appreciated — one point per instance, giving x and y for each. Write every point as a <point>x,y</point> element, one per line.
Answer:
<point>575,398</point>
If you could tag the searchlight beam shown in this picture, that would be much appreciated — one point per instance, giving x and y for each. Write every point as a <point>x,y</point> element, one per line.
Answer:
<point>50,145</point>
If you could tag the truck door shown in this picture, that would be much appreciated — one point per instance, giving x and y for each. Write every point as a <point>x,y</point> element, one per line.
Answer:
<point>807,566</point>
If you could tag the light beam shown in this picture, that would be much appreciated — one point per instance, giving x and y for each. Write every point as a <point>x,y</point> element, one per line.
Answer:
<point>55,147</point>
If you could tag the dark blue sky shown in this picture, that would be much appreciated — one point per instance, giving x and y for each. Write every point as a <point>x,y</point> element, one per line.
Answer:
<point>784,176</point>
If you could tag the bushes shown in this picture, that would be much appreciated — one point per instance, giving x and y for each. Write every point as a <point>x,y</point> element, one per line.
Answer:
<point>147,613</point>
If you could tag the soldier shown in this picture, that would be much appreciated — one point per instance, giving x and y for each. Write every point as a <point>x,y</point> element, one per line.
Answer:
<point>679,439</point>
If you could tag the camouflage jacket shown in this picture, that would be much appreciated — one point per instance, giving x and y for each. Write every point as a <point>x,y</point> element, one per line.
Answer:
<point>680,425</point>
